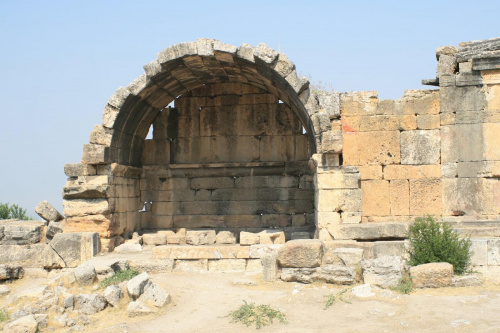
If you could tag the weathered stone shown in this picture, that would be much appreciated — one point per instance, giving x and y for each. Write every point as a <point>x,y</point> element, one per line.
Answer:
<point>272,237</point>
<point>433,275</point>
<point>71,249</point>
<point>248,238</point>
<point>200,237</point>
<point>420,147</point>
<point>21,232</point>
<point>466,281</point>
<point>42,320</point>
<point>384,272</point>
<point>128,248</point>
<point>301,253</point>
<point>82,207</point>
<point>9,272</point>
<point>300,235</point>
<point>337,274</point>
<point>372,231</point>
<point>73,170</point>
<point>85,274</point>
<point>225,237</point>
<point>376,198</point>
<point>113,295</point>
<point>191,266</point>
<point>270,266</point>
<point>54,228</point>
<point>364,290</point>
<point>201,252</point>
<point>154,239</point>
<point>26,324</point>
<point>4,290</point>
<point>304,275</point>
<point>138,308</point>
<point>135,286</point>
<point>447,64</point>
<point>47,212</point>
<point>350,257</point>
<point>364,148</point>
<point>90,303</point>
<point>154,295</point>
<point>425,197</point>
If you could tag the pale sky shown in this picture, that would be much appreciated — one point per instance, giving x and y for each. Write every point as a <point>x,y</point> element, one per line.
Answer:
<point>61,60</point>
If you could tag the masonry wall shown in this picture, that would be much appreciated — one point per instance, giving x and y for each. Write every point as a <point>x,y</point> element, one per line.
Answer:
<point>227,156</point>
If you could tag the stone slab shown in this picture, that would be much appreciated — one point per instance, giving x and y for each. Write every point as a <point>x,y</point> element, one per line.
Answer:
<point>201,252</point>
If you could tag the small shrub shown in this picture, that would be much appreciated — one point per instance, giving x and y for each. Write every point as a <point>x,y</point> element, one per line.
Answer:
<point>431,241</point>
<point>261,315</point>
<point>330,299</point>
<point>13,212</point>
<point>4,316</point>
<point>118,277</point>
<point>405,285</point>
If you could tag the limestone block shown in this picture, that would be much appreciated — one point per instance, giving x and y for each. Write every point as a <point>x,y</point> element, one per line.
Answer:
<point>272,237</point>
<point>389,248</point>
<point>113,295</point>
<point>200,237</point>
<point>466,281</point>
<point>128,248</point>
<point>428,121</point>
<point>326,160</point>
<point>25,324</point>
<point>425,197</point>
<point>101,135</point>
<point>95,154</point>
<point>392,172</point>
<point>258,250</point>
<point>364,148</point>
<point>491,150</point>
<point>337,180</point>
<point>135,286</point>
<point>324,219</point>
<point>303,275</point>
<point>447,64</point>
<point>47,212</point>
<point>350,257</point>
<point>433,275</point>
<point>75,248</point>
<point>301,253</point>
<point>420,147</point>
<point>351,217</point>
<point>154,239</point>
<point>28,256</point>
<point>191,266</point>
<point>337,274</point>
<point>10,272</point>
<point>420,102</point>
<point>154,295</point>
<point>86,191</point>
<point>90,304</point>
<point>384,272</point>
<point>227,265</point>
<point>449,170</point>
<point>493,252</point>
<point>488,169</point>
<point>329,102</point>
<point>348,200</point>
<point>371,231</point>
<point>370,172</point>
<point>323,235</point>
<point>479,250</point>
<point>188,252</point>
<point>82,207</point>
<point>399,197</point>
<point>21,232</point>
<point>358,103</point>
<point>364,290</point>
<point>78,169</point>
<point>85,274</point>
<point>466,98</point>
<point>460,196</point>
<point>225,237</point>
<point>248,238</point>
<point>300,235</point>
<point>90,223</point>
<point>376,198</point>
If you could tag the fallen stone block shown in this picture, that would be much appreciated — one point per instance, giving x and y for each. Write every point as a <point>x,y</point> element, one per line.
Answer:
<point>384,272</point>
<point>272,237</point>
<point>138,308</point>
<point>433,275</point>
<point>47,212</point>
<point>249,238</point>
<point>463,281</point>
<point>71,249</point>
<point>128,248</point>
<point>154,295</point>
<point>21,232</point>
<point>270,268</point>
<point>154,239</point>
<point>301,253</point>
<point>225,237</point>
<point>364,290</point>
<point>337,274</point>
<point>90,304</point>
<point>200,237</point>
<point>85,274</point>
<point>113,295</point>
<point>54,228</point>
<point>8,272</point>
<point>135,286</point>
<point>304,275</point>
<point>26,324</point>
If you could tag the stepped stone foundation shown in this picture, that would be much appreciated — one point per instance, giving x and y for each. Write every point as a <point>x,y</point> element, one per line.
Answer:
<point>239,142</point>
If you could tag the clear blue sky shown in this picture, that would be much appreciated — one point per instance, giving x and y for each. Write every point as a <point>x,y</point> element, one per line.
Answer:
<point>61,60</point>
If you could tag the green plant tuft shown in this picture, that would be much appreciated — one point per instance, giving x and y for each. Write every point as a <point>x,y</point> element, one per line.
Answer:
<point>405,285</point>
<point>4,316</point>
<point>431,241</point>
<point>261,315</point>
<point>330,299</point>
<point>118,277</point>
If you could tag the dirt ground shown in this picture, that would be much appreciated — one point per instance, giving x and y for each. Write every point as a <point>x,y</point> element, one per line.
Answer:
<point>201,302</point>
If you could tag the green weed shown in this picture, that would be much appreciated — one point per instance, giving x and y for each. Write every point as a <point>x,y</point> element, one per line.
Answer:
<point>118,277</point>
<point>260,315</point>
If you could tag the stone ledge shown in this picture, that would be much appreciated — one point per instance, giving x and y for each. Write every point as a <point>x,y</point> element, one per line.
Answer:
<point>370,231</point>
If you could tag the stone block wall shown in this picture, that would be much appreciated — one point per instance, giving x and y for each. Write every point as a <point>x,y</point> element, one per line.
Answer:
<point>227,157</point>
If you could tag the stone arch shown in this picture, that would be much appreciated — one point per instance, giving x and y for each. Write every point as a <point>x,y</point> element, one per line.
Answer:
<point>111,205</point>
